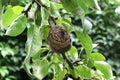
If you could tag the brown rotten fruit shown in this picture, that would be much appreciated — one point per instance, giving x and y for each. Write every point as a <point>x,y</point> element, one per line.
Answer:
<point>59,39</point>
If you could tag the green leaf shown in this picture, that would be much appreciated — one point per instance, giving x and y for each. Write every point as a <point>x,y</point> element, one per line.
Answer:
<point>17,9</point>
<point>76,7</point>
<point>7,51</point>
<point>66,22</point>
<point>33,46</point>
<point>40,69</point>
<point>56,68</point>
<point>84,71</point>
<point>105,68</point>
<point>92,4</point>
<point>17,26</point>
<point>90,63</point>
<point>4,71</point>
<point>10,14</point>
<point>38,17</point>
<point>97,56</point>
<point>74,72</point>
<point>61,74</point>
<point>37,55</point>
<point>85,40</point>
<point>0,7</point>
<point>73,53</point>
<point>34,40</point>
<point>45,29</point>
<point>54,11</point>
<point>58,6</point>
<point>44,16</point>
<point>46,2</point>
<point>57,59</point>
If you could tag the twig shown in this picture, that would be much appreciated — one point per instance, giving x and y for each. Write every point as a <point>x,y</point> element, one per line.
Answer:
<point>68,61</point>
<point>80,52</point>
<point>53,19</point>
<point>43,5</point>
<point>39,3</point>
<point>28,9</point>
<point>70,76</point>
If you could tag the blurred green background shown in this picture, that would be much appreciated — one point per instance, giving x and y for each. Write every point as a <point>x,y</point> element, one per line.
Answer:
<point>105,33</point>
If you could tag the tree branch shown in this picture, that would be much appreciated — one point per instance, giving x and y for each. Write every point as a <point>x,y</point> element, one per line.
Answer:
<point>41,4</point>
<point>68,61</point>
<point>70,76</point>
<point>28,9</point>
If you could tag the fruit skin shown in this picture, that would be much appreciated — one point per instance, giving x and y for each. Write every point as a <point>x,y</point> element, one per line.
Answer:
<point>59,39</point>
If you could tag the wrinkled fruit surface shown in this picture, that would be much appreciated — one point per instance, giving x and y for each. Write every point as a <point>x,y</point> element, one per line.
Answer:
<point>59,39</point>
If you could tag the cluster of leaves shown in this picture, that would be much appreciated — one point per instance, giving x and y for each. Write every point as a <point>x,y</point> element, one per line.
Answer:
<point>107,35</point>
<point>12,51</point>
<point>40,62</point>
<point>11,55</point>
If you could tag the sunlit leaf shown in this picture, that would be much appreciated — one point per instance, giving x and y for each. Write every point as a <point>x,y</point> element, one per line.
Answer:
<point>66,22</point>
<point>57,59</point>
<point>105,68</point>
<point>54,11</point>
<point>44,16</point>
<point>73,53</point>
<point>61,75</point>
<point>4,71</point>
<point>97,56</point>
<point>84,71</point>
<point>58,6</point>
<point>46,2</point>
<point>10,14</point>
<point>33,45</point>
<point>17,9</point>
<point>90,63</point>
<point>85,40</point>
<point>76,7</point>
<point>17,26</point>
<point>7,51</point>
<point>34,40</point>
<point>40,69</point>
<point>45,29</point>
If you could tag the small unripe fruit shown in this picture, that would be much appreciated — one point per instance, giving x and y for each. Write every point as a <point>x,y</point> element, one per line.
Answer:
<point>59,39</point>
